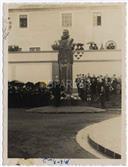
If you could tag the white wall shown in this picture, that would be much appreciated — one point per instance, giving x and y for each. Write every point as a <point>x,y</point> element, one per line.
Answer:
<point>44,26</point>
<point>53,56</point>
<point>38,66</point>
<point>33,72</point>
<point>97,68</point>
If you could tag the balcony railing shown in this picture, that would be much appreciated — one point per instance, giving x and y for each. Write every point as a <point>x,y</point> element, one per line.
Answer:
<point>52,51</point>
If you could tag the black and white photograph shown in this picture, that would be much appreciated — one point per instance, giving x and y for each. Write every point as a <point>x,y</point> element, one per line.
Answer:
<point>64,82</point>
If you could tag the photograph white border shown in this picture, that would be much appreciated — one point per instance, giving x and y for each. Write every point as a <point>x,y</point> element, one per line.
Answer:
<point>2,84</point>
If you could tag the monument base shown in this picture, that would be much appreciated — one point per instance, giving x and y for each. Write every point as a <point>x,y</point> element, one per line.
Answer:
<point>65,77</point>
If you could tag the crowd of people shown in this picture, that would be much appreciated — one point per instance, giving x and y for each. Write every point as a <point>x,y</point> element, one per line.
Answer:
<point>32,95</point>
<point>91,89</point>
<point>97,88</point>
<point>27,94</point>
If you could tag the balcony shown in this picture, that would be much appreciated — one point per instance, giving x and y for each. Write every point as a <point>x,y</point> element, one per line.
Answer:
<point>52,56</point>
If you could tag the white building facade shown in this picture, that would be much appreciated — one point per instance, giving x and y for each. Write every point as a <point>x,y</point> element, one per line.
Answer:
<point>35,28</point>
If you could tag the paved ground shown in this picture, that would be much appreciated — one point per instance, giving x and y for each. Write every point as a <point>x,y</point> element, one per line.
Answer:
<point>112,141</point>
<point>103,137</point>
<point>37,135</point>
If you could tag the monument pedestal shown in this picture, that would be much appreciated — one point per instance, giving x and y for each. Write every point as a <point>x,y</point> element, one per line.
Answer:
<point>65,76</point>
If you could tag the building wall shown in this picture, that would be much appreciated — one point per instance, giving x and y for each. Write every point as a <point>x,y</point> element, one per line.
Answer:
<point>33,72</point>
<point>45,26</point>
<point>42,66</point>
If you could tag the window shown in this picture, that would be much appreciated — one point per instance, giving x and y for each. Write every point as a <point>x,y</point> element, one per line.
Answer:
<point>97,19</point>
<point>66,19</point>
<point>34,49</point>
<point>23,21</point>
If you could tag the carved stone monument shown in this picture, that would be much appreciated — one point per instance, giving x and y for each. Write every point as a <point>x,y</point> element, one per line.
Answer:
<point>65,60</point>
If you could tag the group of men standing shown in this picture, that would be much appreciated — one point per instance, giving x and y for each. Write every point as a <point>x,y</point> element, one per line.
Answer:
<point>97,88</point>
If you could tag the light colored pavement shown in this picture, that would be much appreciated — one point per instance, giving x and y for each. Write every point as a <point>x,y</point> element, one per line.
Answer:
<point>66,109</point>
<point>106,134</point>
